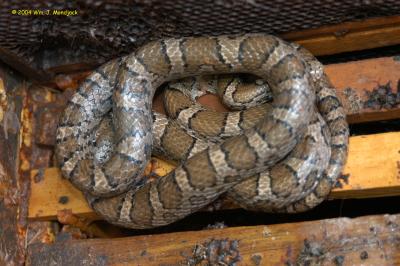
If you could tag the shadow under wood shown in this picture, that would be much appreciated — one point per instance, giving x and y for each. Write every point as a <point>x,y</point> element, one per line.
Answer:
<point>238,217</point>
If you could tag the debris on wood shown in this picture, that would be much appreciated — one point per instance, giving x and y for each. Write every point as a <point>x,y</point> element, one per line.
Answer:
<point>364,255</point>
<point>39,175</point>
<point>354,102</point>
<point>312,253</point>
<point>66,217</point>
<point>374,240</point>
<point>256,259</point>
<point>215,252</point>
<point>41,232</point>
<point>217,225</point>
<point>383,97</point>
<point>343,178</point>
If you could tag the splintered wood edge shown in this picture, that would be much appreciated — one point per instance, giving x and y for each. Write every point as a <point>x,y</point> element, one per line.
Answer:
<point>372,167</point>
<point>368,240</point>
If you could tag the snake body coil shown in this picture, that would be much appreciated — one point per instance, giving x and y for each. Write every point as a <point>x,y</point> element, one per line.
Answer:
<point>104,139</point>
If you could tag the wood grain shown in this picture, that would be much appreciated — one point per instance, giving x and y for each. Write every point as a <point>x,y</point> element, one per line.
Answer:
<point>369,240</point>
<point>349,36</point>
<point>13,188</point>
<point>354,80</point>
<point>372,166</point>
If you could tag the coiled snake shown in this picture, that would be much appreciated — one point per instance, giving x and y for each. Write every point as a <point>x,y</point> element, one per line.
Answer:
<point>286,161</point>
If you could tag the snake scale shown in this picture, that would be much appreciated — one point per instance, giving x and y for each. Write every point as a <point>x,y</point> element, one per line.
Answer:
<point>286,161</point>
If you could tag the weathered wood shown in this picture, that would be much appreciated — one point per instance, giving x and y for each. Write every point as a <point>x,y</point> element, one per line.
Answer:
<point>372,167</point>
<point>357,84</point>
<point>369,240</point>
<point>349,36</point>
<point>12,198</point>
<point>22,66</point>
<point>52,193</point>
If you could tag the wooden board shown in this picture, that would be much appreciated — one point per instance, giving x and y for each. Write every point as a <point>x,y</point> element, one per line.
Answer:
<point>22,65</point>
<point>13,200</point>
<point>349,36</point>
<point>372,166</point>
<point>370,240</point>
<point>357,83</point>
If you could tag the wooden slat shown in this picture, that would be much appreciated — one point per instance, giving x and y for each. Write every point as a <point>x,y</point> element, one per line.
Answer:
<point>362,77</point>
<point>22,66</point>
<point>372,167</point>
<point>370,240</point>
<point>349,36</point>
<point>379,180</point>
<point>13,196</point>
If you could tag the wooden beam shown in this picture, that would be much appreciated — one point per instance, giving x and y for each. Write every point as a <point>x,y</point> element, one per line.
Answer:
<point>372,166</point>
<point>369,240</point>
<point>13,188</point>
<point>357,85</point>
<point>22,66</point>
<point>349,36</point>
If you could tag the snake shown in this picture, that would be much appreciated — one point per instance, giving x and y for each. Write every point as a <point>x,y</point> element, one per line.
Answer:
<point>286,160</point>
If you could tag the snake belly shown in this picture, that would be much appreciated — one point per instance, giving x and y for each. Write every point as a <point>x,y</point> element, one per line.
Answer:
<point>114,103</point>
